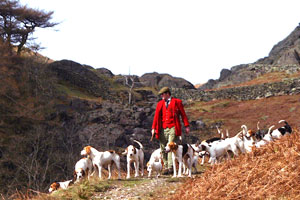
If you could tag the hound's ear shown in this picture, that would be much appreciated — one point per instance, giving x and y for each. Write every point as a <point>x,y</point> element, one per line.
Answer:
<point>176,146</point>
<point>74,176</point>
<point>134,150</point>
<point>87,150</point>
<point>83,173</point>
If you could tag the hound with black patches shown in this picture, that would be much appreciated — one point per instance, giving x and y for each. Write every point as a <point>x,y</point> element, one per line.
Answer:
<point>101,159</point>
<point>60,185</point>
<point>278,133</point>
<point>218,149</point>
<point>83,168</point>
<point>194,162</point>
<point>266,139</point>
<point>136,156</point>
<point>181,153</point>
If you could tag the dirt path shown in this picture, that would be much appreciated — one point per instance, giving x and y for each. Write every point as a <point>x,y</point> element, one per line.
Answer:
<point>142,188</point>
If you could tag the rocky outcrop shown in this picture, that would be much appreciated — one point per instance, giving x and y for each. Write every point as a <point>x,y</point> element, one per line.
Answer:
<point>80,76</point>
<point>287,87</point>
<point>157,81</point>
<point>105,72</point>
<point>286,52</point>
<point>284,56</point>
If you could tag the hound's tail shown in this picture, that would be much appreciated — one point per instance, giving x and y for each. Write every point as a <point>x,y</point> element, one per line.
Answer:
<point>282,121</point>
<point>141,146</point>
<point>270,129</point>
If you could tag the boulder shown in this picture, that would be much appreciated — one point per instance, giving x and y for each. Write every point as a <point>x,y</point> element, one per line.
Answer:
<point>157,81</point>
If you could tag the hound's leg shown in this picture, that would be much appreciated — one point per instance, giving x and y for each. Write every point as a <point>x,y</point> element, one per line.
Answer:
<point>128,170</point>
<point>203,159</point>
<point>109,171</point>
<point>136,166</point>
<point>174,166</point>
<point>100,171</point>
<point>142,167</point>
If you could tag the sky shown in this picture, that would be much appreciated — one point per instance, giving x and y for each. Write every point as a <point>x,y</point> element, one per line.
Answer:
<point>191,39</point>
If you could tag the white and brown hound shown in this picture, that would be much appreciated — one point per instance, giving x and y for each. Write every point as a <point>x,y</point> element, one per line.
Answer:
<point>136,156</point>
<point>181,153</point>
<point>155,162</point>
<point>101,159</point>
<point>60,185</point>
<point>83,168</point>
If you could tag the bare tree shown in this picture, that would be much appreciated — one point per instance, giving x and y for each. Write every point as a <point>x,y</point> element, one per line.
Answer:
<point>130,84</point>
<point>18,23</point>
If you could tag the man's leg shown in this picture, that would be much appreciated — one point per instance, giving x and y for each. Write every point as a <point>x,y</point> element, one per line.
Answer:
<point>162,143</point>
<point>171,137</point>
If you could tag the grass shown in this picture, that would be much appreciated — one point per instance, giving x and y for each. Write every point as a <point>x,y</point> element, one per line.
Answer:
<point>88,189</point>
<point>72,91</point>
<point>133,182</point>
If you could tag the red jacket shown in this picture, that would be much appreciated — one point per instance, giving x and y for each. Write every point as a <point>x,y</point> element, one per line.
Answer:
<point>177,110</point>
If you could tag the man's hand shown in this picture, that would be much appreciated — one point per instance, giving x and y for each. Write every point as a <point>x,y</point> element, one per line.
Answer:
<point>180,139</point>
<point>187,129</point>
<point>153,133</point>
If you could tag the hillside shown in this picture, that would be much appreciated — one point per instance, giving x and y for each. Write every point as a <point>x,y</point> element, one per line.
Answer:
<point>284,57</point>
<point>270,172</point>
<point>53,109</point>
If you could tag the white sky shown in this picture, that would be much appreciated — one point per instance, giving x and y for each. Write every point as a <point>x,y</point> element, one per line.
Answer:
<point>192,39</point>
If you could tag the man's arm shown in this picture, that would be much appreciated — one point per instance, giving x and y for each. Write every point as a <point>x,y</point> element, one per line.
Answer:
<point>184,117</point>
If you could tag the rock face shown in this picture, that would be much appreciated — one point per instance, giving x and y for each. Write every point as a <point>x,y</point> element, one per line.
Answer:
<point>284,56</point>
<point>80,76</point>
<point>286,52</point>
<point>156,80</point>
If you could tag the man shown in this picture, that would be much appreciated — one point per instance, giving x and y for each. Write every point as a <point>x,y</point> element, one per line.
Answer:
<point>166,124</point>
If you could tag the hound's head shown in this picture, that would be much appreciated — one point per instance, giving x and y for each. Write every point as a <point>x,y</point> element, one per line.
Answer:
<point>171,146</point>
<point>79,174</point>
<point>86,151</point>
<point>131,150</point>
<point>54,186</point>
<point>197,146</point>
<point>250,133</point>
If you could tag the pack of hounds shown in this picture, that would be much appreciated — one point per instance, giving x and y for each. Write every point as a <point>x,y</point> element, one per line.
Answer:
<point>184,156</point>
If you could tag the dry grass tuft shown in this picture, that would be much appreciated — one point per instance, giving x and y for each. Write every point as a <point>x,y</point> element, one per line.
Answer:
<point>270,172</point>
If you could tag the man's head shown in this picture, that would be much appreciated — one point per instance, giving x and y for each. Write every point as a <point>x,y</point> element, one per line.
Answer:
<point>165,92</point>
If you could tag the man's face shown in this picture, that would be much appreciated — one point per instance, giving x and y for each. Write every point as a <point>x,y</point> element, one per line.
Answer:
<point>165,95</point>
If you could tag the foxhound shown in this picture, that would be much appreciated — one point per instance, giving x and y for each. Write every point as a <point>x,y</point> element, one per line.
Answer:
<point>136,156</point>
<point>101,159</point>
<point>181,153</point>
<point>83,168</point>
<point>60,185</point>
